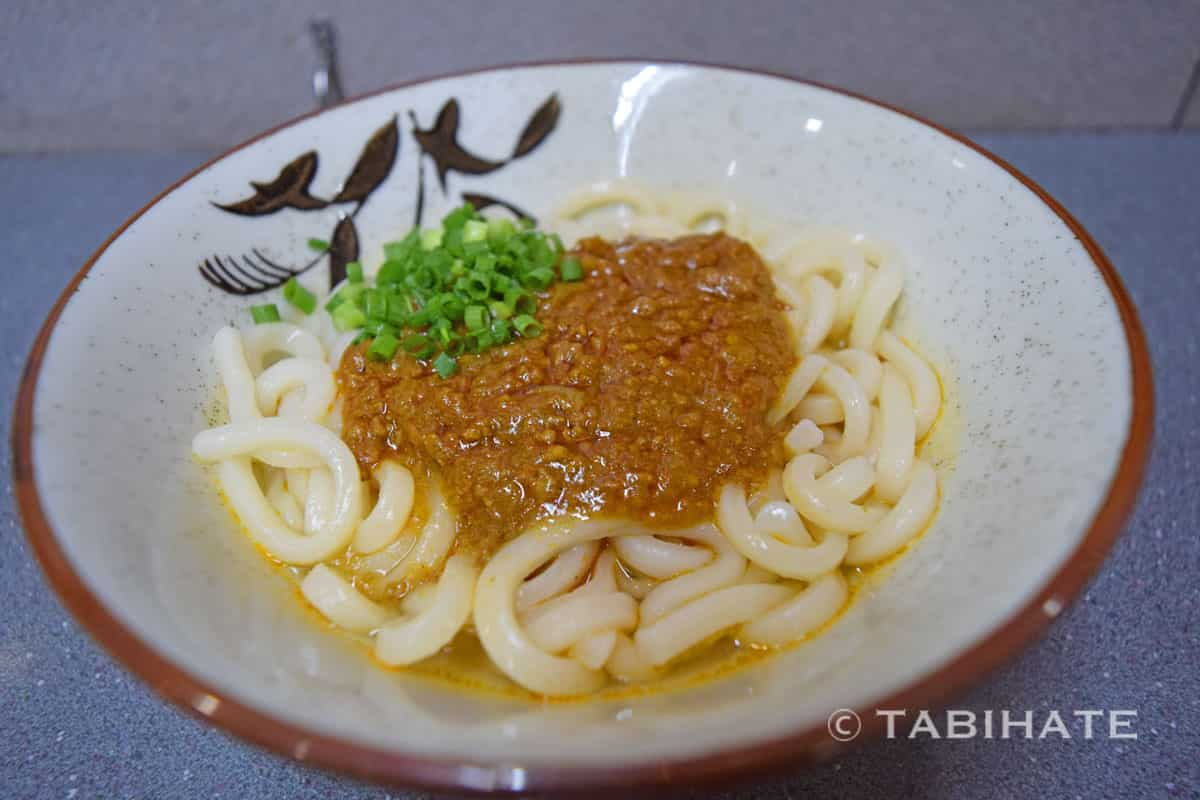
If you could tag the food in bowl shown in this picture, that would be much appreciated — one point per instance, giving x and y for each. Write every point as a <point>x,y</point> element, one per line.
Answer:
<point>599,461</point>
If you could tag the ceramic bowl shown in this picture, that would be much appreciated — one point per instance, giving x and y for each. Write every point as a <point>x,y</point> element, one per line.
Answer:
<point>1046,430</point>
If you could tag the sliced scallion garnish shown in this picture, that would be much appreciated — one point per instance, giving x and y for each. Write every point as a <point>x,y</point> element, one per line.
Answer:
<point>264,313</point>
<point>300,297</point>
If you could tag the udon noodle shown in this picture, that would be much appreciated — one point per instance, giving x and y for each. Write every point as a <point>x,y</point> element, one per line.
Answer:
<point>569,604</point>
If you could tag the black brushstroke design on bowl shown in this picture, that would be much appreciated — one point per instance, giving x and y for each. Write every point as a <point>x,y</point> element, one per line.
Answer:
<point>440,142</point>
<point>254,272</point>
<point>289,189</point>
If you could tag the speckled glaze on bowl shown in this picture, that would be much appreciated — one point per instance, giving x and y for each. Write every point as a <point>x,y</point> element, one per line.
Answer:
<point>1005,290</point>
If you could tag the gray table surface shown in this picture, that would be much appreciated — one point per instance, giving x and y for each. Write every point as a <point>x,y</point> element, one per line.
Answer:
<point>75,725</point>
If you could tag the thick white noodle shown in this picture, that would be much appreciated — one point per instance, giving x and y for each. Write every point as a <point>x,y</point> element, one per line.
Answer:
<point>756,574</point>
<point>495,614</point>
<point>594,649</point>
<point>232,445</point>
<point>842,260</point>
<point>802,438</point>
<point>340,602</point>
<point>791,621</point>
<point>865,368</point>
<point>897,437</point>
<point>279,337</point>
<point>408,640</point>
<point>378,567</point>
<point>904,521</point>
<point>804,562</point>
<point>849,480</point>
<point>607,193</point>
<point>778,518</point>
<point>828,510</point>
<point>798,384</point>
<point>312,378</point>
<point>724,570</point>
<point>856,410</point>
<point>391,511</point>
<point>242,395</point>
<point>297,484</point>
<point>633,584</point>
<point>796,314</point>
<point>282,499</point>
<point>627,664</point>
<point>434,542</point>
<point>922,381</point>
<point>562,575</point>
<point>771,491</point>
<point>822,306</point>
<point>883,289</point>
<point>820,409</point>
<point>705,617</point>
<point>419,599</point>
<point>659,559</point>
<point>319,506</point>
<point>563,621</point>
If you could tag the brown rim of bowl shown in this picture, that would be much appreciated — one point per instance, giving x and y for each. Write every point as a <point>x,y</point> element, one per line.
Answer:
<point>804,746</point>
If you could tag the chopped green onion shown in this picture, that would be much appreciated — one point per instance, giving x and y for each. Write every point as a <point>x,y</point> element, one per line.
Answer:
<point>539,278</point>
<point>418,345</point>
<point>374,304</point>
<point>571,269</point>
<point>476,318</point>
<point>397,310</point>
<point>459,217</point>
<point>501,331</point>
<point>475,286</point>
<point>348,316</point>
<point>298,296</point>
<point>391,273</point>
<point>527,326</point>
<point>475,230</point>
<point>374,328</point>
<point>431,238</point>
<point>264,313</point>
<point>464,286</point>
<point>445,365</point>
<point>520,301</point>
<point>320,245</point>
<point>351,292</point>
<point>500,229</point>
<point>384,347</point>
<point>443,330</point>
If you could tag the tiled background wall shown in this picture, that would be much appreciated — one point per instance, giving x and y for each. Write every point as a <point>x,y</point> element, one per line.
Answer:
<point>78,74</point>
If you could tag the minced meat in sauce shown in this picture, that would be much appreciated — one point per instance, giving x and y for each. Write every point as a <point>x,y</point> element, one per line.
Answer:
<point>647,392</point>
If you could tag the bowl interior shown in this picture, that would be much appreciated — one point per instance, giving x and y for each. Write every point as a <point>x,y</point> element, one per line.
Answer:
<point>1000,294</point>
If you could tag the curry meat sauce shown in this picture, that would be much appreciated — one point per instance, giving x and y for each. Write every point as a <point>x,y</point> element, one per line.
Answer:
<point>647,392</point>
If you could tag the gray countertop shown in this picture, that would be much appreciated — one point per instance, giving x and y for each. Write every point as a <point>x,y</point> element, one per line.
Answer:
<point>75,725</point>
